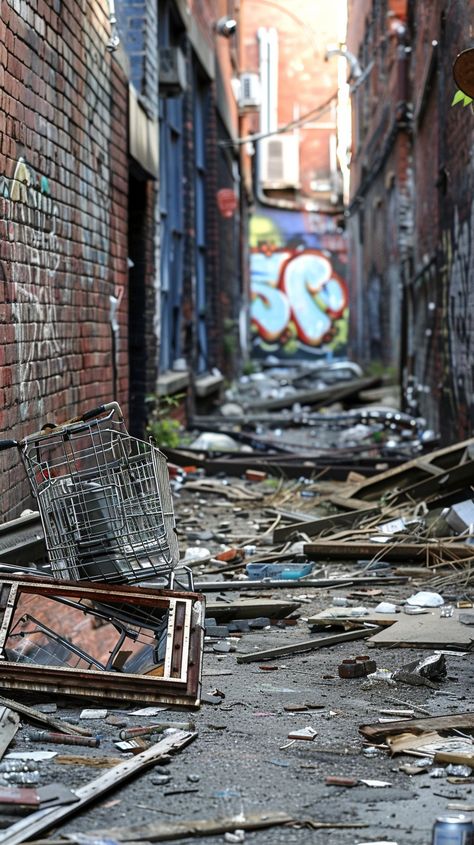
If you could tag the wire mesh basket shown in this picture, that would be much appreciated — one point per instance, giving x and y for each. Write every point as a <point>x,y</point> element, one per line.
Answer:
<point>104,499</point>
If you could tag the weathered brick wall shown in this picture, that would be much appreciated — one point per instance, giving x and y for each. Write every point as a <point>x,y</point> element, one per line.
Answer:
<point>63,238</point>
<point>442,353</point>
<point>380,231</point>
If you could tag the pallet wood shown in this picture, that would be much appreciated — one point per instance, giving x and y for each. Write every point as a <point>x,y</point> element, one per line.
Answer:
<point>305,645</point>
<point>357,550</point>
<point>316,526</point>
<point>414,471</point>
<point>450,722</point>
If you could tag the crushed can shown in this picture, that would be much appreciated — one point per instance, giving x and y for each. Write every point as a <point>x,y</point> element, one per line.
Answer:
<point>453,829</point>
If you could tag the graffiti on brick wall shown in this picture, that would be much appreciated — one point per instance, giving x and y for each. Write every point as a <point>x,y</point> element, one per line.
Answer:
<point>461,309</point>
<point>299,300</point>
<point>31,220</point>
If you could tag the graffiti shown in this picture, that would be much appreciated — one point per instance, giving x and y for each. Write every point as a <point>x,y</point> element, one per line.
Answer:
<point>298,300</point>
<point>460,309</point>
<point>31,220</point>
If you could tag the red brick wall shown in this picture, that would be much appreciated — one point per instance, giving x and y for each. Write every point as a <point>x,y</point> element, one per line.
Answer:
<point>63,230</point>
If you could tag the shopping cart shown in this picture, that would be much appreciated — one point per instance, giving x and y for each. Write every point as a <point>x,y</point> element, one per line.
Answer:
<point>104,499</point>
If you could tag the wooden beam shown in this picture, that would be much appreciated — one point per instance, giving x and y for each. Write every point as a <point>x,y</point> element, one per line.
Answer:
<point>306,645</point>
<point>42,820</point>
<point>411,472</point>
<point>450,722</point>
<point>396,551</point>
<point>317,526</point>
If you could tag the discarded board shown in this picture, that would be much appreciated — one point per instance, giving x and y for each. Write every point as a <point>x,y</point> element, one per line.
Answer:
<point>43,820</point>
<point>319,397</point>
<point>450,722</point>
<point>414,471</point>
<point>42,718</point>
<point>350,519</point>
<point>340,616</point>
<point>392,551</point>
<point>170,831</point>
<point>305,645</point>
<point>165,831</point>
<point>250,609</point>
<point>428,630</point>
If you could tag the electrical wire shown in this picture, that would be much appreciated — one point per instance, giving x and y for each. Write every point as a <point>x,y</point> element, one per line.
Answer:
<point>300,121</point>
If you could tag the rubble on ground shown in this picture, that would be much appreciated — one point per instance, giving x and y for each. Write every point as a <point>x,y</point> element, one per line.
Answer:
<point>333,654</point>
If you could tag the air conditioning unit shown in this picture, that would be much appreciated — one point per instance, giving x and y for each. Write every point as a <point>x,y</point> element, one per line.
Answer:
<point>172,72</point>
<point>279,161</point>
<point>249,98</point>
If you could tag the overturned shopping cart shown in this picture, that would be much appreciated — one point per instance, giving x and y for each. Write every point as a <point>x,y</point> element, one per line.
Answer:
<point>104,499</point>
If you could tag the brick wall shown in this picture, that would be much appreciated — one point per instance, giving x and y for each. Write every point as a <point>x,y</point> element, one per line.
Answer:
<point>63,230</point>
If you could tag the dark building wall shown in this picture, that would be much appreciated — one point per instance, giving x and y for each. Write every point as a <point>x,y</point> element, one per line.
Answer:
<point>441,360</point>
<point>380,211</point>
<point>63,229</point>
<point>427,237</point>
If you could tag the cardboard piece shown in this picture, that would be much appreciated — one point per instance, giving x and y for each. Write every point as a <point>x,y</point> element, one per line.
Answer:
<point>427,630</point>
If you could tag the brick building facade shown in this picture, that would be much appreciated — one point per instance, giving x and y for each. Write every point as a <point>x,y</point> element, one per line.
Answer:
<point>411,269</point>
<point>63,220</point>
<point>120,275</point>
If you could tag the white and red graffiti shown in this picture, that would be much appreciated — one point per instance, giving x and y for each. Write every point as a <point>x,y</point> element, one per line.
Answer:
<point>299,287</point>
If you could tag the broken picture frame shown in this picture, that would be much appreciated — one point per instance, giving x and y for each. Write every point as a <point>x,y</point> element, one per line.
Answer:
<point>109,642</point>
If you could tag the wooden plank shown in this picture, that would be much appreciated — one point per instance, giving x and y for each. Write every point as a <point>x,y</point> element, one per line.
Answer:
<point>357,550</point>
<point>347,502</point>
<point>36,716</point>
<point>335,616</point>
<point>316,398</point>
<point>166,831</point>
<point>250,609</point>
<point>450,722</point>
<point>428,630</point>
<point>447,480</point>
<point>305,645</point>
<point>43,820</point>
<point>340,520</point>
<point>411,472</point>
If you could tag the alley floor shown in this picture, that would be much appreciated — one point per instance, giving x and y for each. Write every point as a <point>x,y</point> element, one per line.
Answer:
<point>241,761</point>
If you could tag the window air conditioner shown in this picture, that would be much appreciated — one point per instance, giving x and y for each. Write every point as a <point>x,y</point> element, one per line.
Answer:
<point>279,161</point>
<point>249,95</point>
<point>172,72</point>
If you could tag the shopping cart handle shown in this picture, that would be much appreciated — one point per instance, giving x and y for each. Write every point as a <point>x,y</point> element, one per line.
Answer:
<point>7,444</point>
<point>101,409</point>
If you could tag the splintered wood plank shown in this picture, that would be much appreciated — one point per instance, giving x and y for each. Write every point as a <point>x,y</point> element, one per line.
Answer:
<point>304,645</point>
<point>335,616</point>
<point>427,630</point>
<point>317,526</point>
<point>397,551</point>
<point>449,722</point>
<point>412,471</point>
